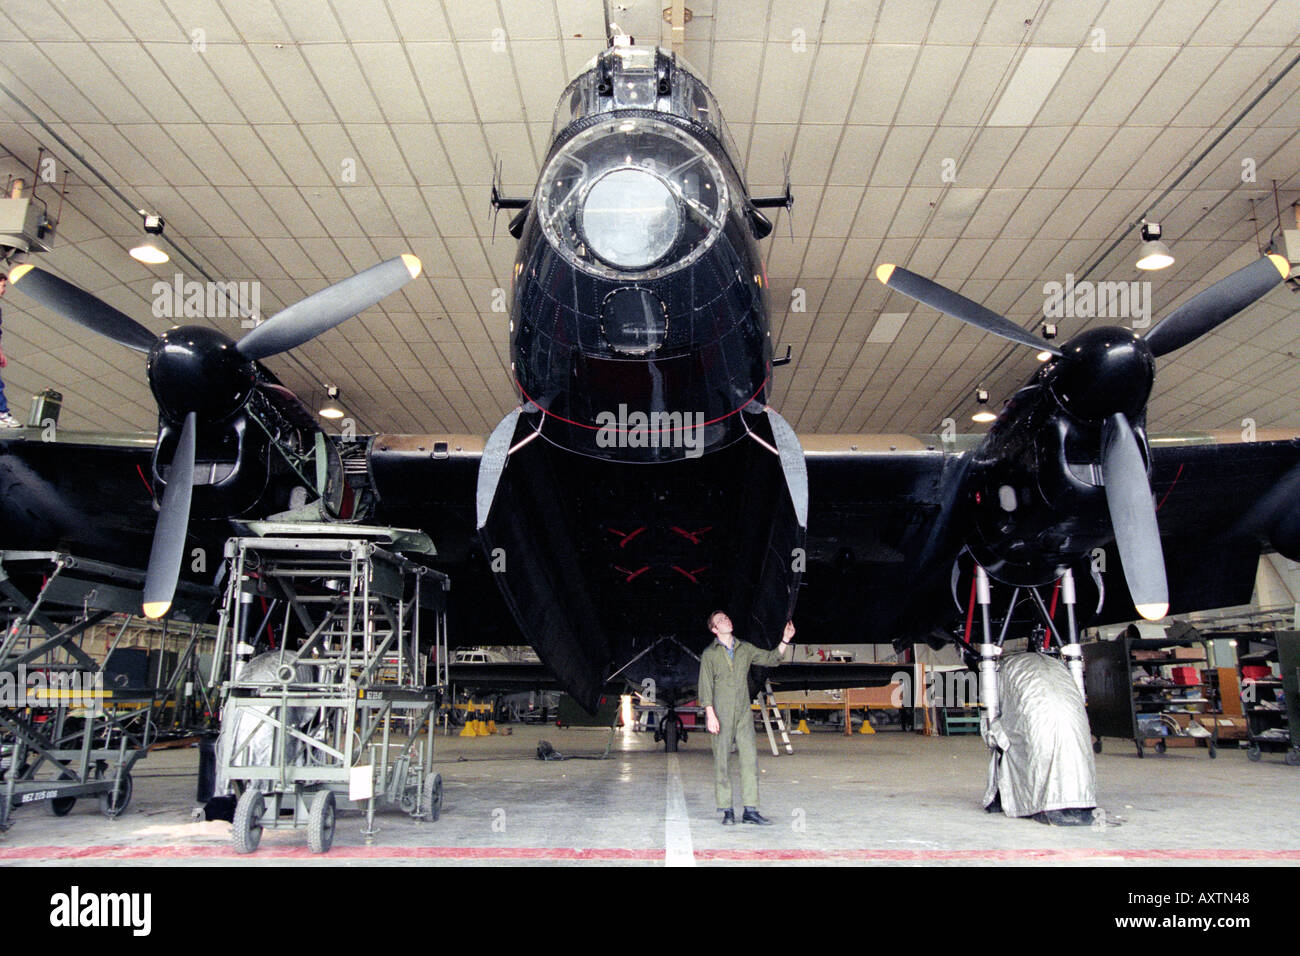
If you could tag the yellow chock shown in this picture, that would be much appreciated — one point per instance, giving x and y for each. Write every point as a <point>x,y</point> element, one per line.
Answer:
<point>866,727</point>
<point>491,727</point>
<point>803,727</point>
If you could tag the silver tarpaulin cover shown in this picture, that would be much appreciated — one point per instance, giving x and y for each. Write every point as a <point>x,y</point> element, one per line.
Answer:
<point>247,729</point>
<point>1042,750</point>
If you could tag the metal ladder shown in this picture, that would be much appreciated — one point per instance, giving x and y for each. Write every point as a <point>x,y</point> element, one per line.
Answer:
<point>766,703</point>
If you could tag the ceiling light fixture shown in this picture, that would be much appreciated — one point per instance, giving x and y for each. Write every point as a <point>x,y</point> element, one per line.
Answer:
<point>983,416</point>
<point>1049,333</point>
<point>331,409</point>
<point>148,251</point>
<point>1153,254</point>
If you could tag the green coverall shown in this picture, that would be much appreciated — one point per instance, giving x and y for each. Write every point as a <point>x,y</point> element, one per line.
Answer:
<point>724,686</point>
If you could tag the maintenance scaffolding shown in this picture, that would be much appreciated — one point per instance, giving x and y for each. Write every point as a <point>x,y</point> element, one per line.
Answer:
<point>323,653</point>
<point>69,728</point>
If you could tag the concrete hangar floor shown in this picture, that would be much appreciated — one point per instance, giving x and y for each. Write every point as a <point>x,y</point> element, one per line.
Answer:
<point>892,797</point>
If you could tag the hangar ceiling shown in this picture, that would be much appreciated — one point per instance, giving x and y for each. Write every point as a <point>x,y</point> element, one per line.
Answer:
<point>996,145</point>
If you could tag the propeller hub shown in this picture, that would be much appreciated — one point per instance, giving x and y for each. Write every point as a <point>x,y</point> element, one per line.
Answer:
<point>193,368</point>
<point>1103,372</point>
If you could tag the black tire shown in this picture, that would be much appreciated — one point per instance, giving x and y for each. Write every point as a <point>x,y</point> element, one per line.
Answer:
<point>1161,747</point>
<point>433,798</point>
<point>1253,753</point>
<point>61,806</point>
<point>1214,752</point>
<point>320,822</point>
<point>113,803</point>
<point>246,833</point>
<point>672,734</point>
<point>1096,746</point>
<point>1292,758</point>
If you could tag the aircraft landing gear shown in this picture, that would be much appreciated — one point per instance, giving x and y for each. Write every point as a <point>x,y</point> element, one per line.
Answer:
<point>671,730</point>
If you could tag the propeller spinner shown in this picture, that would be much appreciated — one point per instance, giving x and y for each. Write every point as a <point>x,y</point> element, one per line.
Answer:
<point>199,375</point>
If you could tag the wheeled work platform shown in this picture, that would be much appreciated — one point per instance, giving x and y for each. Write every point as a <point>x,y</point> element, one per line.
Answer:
<point>65,731</point>
<point>324,639</point>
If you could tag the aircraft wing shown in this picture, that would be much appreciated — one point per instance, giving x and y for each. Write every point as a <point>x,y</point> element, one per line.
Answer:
<point>1221,502</point>
<point>833,676</point>
<point>506,678</point>
<point>85,494</point>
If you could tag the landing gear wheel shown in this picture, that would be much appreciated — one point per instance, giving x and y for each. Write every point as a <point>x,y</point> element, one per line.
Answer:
<point>247,831</point>
<point>1096,746</point>
<point>61,806</point>
<point>1161,747</point>
<point>320,822</point>
<point>113,803</point>
<point>1253,753</point>
<point>433,798</point>
<point>673,733</point>
<point>1292,758</point>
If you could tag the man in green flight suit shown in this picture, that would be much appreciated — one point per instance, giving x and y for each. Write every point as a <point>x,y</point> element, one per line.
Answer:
<point>724,695</point>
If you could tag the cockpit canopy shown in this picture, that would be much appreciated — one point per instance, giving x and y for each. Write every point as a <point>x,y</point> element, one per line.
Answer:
<point>641,78</point>
<point>631,189</point>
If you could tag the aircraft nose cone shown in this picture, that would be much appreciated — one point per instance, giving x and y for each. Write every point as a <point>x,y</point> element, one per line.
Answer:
<point>193,368</point>
<point>1104,371</point>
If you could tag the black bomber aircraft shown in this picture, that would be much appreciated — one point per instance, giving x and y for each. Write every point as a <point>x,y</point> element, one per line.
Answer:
<point>644,480</point>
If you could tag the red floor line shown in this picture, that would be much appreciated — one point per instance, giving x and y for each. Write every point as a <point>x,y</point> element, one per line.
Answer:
<point>598,854</point>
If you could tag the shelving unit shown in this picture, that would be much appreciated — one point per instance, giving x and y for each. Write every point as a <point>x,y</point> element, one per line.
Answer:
<point>1129,696</point>
<point>1272,708</point>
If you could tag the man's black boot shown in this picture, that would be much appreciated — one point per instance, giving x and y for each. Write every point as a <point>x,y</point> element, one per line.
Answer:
<point>751,815</point>
<point>728,817</point>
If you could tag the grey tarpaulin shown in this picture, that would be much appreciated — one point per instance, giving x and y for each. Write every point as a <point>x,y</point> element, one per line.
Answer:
<point>1042,751</point>
<point>242,727</point>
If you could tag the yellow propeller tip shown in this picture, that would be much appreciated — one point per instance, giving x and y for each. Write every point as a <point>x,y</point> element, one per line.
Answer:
<point>884,271</point>
<point>18,272</point>
<point>1280,263</point>
<point>156,609</point>
<point>1153,612</point>
<point>413,264</point>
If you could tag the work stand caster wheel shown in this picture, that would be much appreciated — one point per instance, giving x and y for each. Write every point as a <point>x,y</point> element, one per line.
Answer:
<point>247,831</point>
<point>113,803</point>
<point>1253,753</point>
<point>1292,758</point>
<point>1161,747</point>
<point>1141,751</point>
<point>1096,746</point>
<point>1214,753</point>
<point>320,822</point>
<point>61,806</point>
<point>433,798</point>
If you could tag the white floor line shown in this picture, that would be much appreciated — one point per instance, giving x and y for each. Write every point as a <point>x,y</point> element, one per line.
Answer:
<point>678,850</point>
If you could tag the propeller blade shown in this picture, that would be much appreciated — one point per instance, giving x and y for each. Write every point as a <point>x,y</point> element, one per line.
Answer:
<point>173,525</point>
<point>81,307</point>
<point>323,310</point>
<point>1133,516</point>
<point>929,292</point>
<point>1212,307</point>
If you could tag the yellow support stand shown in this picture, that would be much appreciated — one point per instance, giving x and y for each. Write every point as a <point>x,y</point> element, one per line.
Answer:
<point>475,726</point>
<point>866,725</point>
<point>468,730</point>
<point>803,727</point>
